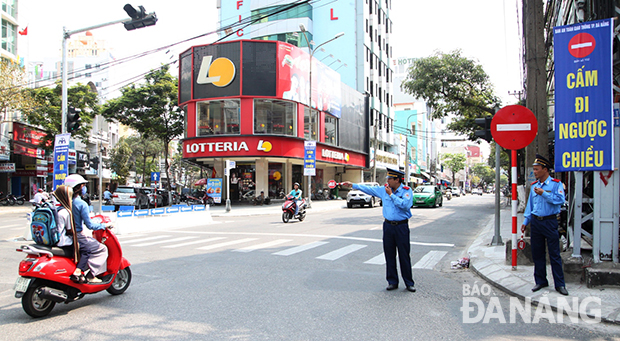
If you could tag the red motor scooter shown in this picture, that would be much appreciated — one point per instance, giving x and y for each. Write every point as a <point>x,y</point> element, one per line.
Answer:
<point>289,207</point>
<point>44,275</point>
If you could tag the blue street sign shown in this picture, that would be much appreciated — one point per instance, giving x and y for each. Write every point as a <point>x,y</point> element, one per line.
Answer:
<point>186,208</point>
<point>157,211</point>
<point>140,213</point>
<point>122,214</point>
<point>173,209</point>
<point>310,158</point>
<point>155,176</point>
<point>198,208</point>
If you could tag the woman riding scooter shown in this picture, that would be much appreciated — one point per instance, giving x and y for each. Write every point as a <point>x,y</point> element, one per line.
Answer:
<point>93,254</point>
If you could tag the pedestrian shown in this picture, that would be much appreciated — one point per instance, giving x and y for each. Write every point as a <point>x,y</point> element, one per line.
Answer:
<point>546,198</point>
<point>260,200</point>
<point>93,254</point>
<point>397,200</point>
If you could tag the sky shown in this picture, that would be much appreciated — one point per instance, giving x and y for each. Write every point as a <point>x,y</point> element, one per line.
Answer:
<point>485,30</point>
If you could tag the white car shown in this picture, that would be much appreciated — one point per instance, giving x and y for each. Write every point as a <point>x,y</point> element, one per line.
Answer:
<point>356,197</point>
<point>476,191</point>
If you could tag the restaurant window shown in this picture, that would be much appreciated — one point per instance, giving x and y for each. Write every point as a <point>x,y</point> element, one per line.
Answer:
<point>311,124</point>
<point>274,117</point>
<point>331,130</point>
<point>276,177</point>
<point>218,117</point>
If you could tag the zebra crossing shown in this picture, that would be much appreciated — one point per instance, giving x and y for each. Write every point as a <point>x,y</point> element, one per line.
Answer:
<point>250,244</point>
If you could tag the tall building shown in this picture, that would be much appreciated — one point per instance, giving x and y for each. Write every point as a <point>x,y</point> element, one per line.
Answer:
<point>361,56</point>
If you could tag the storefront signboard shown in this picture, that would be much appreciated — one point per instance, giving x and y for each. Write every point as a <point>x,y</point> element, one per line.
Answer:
<point>28,135</point>
<point>214,189</point>
<point>5,149</point>
<point>7,167</point>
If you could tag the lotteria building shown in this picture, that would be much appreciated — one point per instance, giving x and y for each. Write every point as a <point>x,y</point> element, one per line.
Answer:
<point>252,102</point>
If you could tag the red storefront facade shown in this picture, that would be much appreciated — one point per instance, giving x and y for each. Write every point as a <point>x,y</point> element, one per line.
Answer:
<point>249,101</point>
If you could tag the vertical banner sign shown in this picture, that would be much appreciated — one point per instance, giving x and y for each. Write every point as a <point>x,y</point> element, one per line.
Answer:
<point>214,189</point>
<point>584,96</point>
<point>310,158</point>
<point>61,159</point>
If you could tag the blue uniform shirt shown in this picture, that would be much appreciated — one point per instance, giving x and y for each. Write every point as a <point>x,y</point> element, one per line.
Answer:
<point>80,215</point>
<point>397,206</point>
<point>546,204</point>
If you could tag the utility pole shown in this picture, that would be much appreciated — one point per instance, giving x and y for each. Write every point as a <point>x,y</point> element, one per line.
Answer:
<point>374,164</point>
<point>536,83</point>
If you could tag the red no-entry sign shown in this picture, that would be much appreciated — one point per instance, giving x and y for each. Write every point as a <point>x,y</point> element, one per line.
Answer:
<point>514,127</point>
<point>331,184</point>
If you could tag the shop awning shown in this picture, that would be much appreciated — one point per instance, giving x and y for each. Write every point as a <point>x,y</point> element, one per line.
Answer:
<point>425,174</point>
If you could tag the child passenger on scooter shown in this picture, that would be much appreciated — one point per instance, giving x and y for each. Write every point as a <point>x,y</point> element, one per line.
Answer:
<point>93,255</point>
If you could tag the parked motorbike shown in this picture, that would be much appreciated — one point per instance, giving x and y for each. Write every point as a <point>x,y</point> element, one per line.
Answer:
<point>289,208</point>
<point>6,200</point>
<point>18,200</point>
<point>44,275</point>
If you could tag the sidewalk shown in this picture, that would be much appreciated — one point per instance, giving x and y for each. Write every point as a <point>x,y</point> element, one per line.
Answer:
<point>489,262</point>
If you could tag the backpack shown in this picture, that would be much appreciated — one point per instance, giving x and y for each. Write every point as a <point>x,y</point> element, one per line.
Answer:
<point>44,227</point>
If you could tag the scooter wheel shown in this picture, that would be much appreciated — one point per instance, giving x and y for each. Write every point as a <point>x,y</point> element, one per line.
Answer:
<point>302,216</point>
<point>34,305</point>
<point>286,216</point>
<point>20,202</point>
<point>121,282</point>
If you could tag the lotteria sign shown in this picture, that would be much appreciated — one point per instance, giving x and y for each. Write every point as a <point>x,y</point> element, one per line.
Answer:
<point>264,146</point>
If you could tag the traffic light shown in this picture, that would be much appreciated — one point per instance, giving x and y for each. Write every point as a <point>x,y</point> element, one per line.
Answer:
<point>139,18</point>
<point>485,124</point>
<point>94,162</point>
<point>73,119</point>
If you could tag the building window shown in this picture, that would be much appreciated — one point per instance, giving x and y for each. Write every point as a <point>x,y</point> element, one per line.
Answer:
<point>311,124</point>
<point>218,117</point>
<point>9,6</point>
<point>9,37</point>
<point>274,117</point>
<point>185,121</point>
<point>331,130</point>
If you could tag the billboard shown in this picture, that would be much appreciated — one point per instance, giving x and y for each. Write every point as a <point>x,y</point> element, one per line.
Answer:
<point>294,80</point>
<point>584,97</point>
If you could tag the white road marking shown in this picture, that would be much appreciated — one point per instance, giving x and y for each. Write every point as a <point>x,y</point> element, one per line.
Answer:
<point>341,252</point>
<point>379,260</point>
<point>144,239</point>
<point>125,236</point>
<point>263,245</point>
<point>377,228</point>
<point>164,241</point>
<point>232,242</point>
<point>194,242</point>
<point>298,249</point>
<point>13,225</point>
<point>429,260</point>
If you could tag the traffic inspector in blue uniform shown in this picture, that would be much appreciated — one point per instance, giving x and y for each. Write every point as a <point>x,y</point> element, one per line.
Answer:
<point>397,200</point>
<point>543,206</point>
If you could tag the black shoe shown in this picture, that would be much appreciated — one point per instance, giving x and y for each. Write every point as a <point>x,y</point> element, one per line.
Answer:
<point>411,288</point>
<point>561,290</point>
<point>392,287</point>
<point>538,287</point>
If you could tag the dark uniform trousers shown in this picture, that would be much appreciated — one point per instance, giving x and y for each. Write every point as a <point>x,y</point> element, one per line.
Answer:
<point>546,230</point>
<point>396,237</point>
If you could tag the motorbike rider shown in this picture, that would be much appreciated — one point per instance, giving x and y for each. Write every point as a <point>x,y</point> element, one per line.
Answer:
<point>296,193</point>
<point>107,196</point>
<point>93,254</point>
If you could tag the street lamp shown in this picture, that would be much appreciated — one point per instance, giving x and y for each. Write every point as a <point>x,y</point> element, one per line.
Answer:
<point>303,30</point>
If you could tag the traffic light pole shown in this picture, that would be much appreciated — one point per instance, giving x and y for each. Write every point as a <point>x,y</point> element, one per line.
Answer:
<point>66,34</point>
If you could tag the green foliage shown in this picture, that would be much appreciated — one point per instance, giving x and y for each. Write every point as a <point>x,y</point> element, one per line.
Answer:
<point>453,84</point>
<point>504,158</point>
<point>151,109</point>
<point>455,162</point>
<point>485,174</point>
<point>47,111</point>
<point>144,154</point>
<point>120,161</point>
<point>13,95</point>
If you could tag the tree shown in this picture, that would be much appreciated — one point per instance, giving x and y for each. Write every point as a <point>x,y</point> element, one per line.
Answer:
<point>453,84</point>
<point>14,96</point>
<point>151,109</point>
<point>504,158</point>
<point>485,174</point>
<point>455,162</point>
<point>120,160</point>
<point>142,149</point>
<point>48,107</point>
